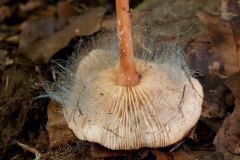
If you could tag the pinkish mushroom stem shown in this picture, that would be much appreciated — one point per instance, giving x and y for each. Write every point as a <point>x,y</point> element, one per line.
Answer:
<point>127,75</point>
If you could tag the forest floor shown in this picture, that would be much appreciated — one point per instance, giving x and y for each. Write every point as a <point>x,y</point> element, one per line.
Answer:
<point>34,32</point>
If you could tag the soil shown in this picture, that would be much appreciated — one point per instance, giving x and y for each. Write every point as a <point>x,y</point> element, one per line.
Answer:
<point>22,117</point>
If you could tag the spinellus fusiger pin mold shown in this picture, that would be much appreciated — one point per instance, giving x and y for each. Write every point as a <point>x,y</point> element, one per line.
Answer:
<point>123,103</point>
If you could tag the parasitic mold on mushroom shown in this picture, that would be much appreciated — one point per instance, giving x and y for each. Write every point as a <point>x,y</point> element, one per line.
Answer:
<point>125,103</point>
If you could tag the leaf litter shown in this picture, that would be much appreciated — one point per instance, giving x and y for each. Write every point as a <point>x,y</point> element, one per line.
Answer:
<point>82,25</point>
<point>210,56</point>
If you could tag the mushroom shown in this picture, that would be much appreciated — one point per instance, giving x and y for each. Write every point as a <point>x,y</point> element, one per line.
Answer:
<point>133,103</point>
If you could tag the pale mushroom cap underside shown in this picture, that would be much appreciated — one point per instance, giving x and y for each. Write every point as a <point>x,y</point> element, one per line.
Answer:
<point>157,112</point>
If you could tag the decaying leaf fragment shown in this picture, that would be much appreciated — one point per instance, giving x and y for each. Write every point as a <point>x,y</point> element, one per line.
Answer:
<point>230,9</point>
<point>227,140</point>
<point>100,151</point>
<point>58,131</point>
<point>83,25</point>
<point>225,41</point>
<point>34,30</point>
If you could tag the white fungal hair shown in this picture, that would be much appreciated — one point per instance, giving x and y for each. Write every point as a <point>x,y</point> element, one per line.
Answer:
<point>77,88</point>
<point>151,50</point>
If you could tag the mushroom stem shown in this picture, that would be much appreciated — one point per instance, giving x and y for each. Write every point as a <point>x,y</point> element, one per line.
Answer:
<point>127,75</point>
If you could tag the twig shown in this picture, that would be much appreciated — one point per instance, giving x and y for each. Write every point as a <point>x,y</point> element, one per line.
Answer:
<point>28,148</point>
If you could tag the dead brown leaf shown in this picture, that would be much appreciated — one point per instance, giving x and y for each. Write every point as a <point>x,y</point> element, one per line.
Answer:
<point>58,131</point>
<point>223,41</point>
<point>214,156</point>
<point>210,65</point>
<point>5,12</point>
<point>99,151</point>
<point>160,155</point>
<point>230,9</point>
<point>34,30</point>
<point>227,140</point>
<point>84,25</point>
<point>233,83</point>
<point>30,5</point>
<point>64,10</point>
<point>224,37</point>
<point>180,154</point>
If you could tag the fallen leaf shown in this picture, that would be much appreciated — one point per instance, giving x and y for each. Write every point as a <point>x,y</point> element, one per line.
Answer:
<point>233,136</point>
<point>223,41</point>
<point>34,30</point>
<point>5,12</point>
<point>230,9</point>
<point>50,10</point>
<point>30,5</point>
<point>58,131</point>
<point>64,10</point>
<point>84,25</point>
<point>233,83</point>
<point>227,140</point>
<point>180,154</point>
<point>210,65</point>
<point>160,155</point>
<point>214,156</point>
<point>98,151</point>
<point>142,152</point>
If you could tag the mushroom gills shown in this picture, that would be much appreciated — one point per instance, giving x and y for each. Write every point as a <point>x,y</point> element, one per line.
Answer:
<point>159,111</point>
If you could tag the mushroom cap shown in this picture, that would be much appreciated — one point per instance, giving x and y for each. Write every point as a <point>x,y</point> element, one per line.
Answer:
<point>157,112</point>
